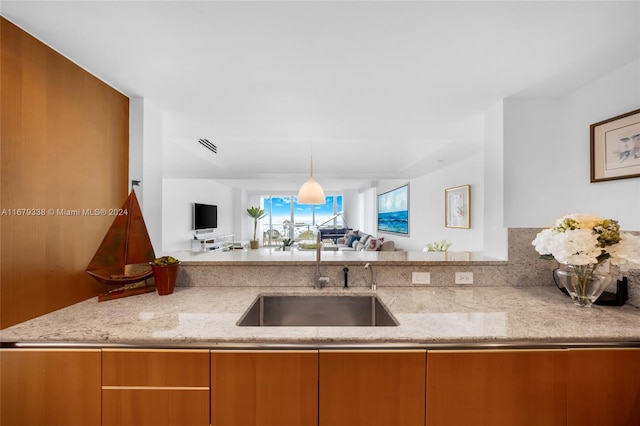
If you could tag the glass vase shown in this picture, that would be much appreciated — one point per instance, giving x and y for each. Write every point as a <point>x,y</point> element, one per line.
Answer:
<point>583,284</point>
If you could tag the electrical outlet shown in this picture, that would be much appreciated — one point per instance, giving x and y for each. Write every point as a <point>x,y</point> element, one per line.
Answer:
<point>420,278</point>
<point>464,278</point>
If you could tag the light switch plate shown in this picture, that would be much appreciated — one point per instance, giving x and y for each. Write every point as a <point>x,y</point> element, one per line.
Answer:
<point>420,278</point>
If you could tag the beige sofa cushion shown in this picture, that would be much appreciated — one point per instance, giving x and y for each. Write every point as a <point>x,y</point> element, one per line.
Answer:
<point>388,245</point>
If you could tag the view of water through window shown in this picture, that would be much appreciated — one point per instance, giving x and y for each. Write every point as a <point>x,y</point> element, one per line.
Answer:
<point>286,219</point>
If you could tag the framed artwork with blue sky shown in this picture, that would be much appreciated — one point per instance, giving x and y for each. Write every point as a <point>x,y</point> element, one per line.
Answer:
<point>393,211</point>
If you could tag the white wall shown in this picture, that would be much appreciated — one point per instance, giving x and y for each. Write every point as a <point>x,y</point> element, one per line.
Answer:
<point>534,161</point>
<point>239,204</point>
<point>537,168</point>
<point>353,208</point>
<point>495,234</point>
<point>547,163</point>
<point>542,143</point>
<point>178,196</point>
<point>369,211</point>
<point>145,163</point>
<point>426,207</point>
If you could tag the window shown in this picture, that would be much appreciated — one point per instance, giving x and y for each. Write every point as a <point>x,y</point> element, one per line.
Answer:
<point>288,219</point>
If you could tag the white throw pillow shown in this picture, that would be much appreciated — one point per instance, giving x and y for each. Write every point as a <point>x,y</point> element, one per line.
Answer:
<point>375,243</point>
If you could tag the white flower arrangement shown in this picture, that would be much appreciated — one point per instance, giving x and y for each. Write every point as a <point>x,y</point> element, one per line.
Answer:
<point>441,246</point>
<point>583,239</point>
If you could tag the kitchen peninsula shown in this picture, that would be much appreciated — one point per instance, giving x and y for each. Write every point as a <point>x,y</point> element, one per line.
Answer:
<point>532,345</point>
<point>511,333</point>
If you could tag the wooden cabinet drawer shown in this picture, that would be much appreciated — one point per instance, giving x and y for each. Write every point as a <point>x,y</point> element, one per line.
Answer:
<point>155,406</point>
<point>150,367</point>
<point>155,387</point>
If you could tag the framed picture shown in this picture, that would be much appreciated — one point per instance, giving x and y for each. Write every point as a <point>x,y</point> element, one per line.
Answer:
<point>457,207</point>
<point>393,211</point>
<point>615,148</point>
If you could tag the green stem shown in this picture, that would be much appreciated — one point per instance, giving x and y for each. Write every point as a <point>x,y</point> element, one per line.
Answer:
<point>584,275</point>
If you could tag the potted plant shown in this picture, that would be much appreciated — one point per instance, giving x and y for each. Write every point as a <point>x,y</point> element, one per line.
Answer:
<point>286,244</point>
<point>256,213</point>
<point>165,273</point>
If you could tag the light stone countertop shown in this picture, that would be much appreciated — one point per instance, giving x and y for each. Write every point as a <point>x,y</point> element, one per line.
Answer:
<point>428,317</point>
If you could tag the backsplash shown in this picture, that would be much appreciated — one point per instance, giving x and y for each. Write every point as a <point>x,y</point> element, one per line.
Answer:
<point>523,268</point>
<point>634,288</point>
<point>528,269</point>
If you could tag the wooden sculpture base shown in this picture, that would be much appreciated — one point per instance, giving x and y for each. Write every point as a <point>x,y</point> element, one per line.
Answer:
<point>128,290</point>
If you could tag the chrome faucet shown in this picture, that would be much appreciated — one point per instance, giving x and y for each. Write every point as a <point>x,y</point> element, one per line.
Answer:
<point>320,281</point>
<point>374,286</point>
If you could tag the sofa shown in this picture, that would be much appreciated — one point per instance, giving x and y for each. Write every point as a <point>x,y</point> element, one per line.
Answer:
<point>361,241</point>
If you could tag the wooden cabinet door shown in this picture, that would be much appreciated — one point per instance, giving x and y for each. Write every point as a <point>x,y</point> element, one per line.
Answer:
<point>604,387</point>
<point>372,388</point>
<point>155,387</point>
<point>264,388</point>
<point>50,387</point>
<point>496,388</point>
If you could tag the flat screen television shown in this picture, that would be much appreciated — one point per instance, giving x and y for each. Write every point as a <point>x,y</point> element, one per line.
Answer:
<point>205,216</point>
<point>393,211</point>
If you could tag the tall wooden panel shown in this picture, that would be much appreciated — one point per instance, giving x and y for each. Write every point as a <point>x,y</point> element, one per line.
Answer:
<point>497,388</point>
<point>604,387</point>
<point>375,388</point>
<point>50,387</point>
<point>64,148</point>
<point>264,388</point>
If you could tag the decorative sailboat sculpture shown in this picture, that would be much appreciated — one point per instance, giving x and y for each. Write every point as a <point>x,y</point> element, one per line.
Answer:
<point>123,257</point>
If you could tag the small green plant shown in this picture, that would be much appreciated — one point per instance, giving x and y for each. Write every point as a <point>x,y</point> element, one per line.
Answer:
<point>256,213</point>
<point>165,260</point>
<point>287,242</point>
<point>306,235</point>
<point>442,245</point>
<point>307,246</point>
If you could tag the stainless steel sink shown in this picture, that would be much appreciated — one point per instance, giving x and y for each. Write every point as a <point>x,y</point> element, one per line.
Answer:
<point>317,311</point>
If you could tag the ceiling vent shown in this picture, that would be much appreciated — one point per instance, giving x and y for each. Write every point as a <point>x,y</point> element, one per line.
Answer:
<point>207,144</point>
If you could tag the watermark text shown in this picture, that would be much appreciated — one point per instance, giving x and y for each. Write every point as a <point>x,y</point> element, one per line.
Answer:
<point>36,212</point>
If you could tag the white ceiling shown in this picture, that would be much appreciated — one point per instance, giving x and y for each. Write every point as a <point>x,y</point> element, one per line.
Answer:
<point>376,90</point>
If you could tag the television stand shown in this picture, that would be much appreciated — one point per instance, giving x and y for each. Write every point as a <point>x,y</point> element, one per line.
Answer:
<point>210,242</point>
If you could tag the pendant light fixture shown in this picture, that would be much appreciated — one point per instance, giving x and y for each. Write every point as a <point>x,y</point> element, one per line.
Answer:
<point>311,192</point>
